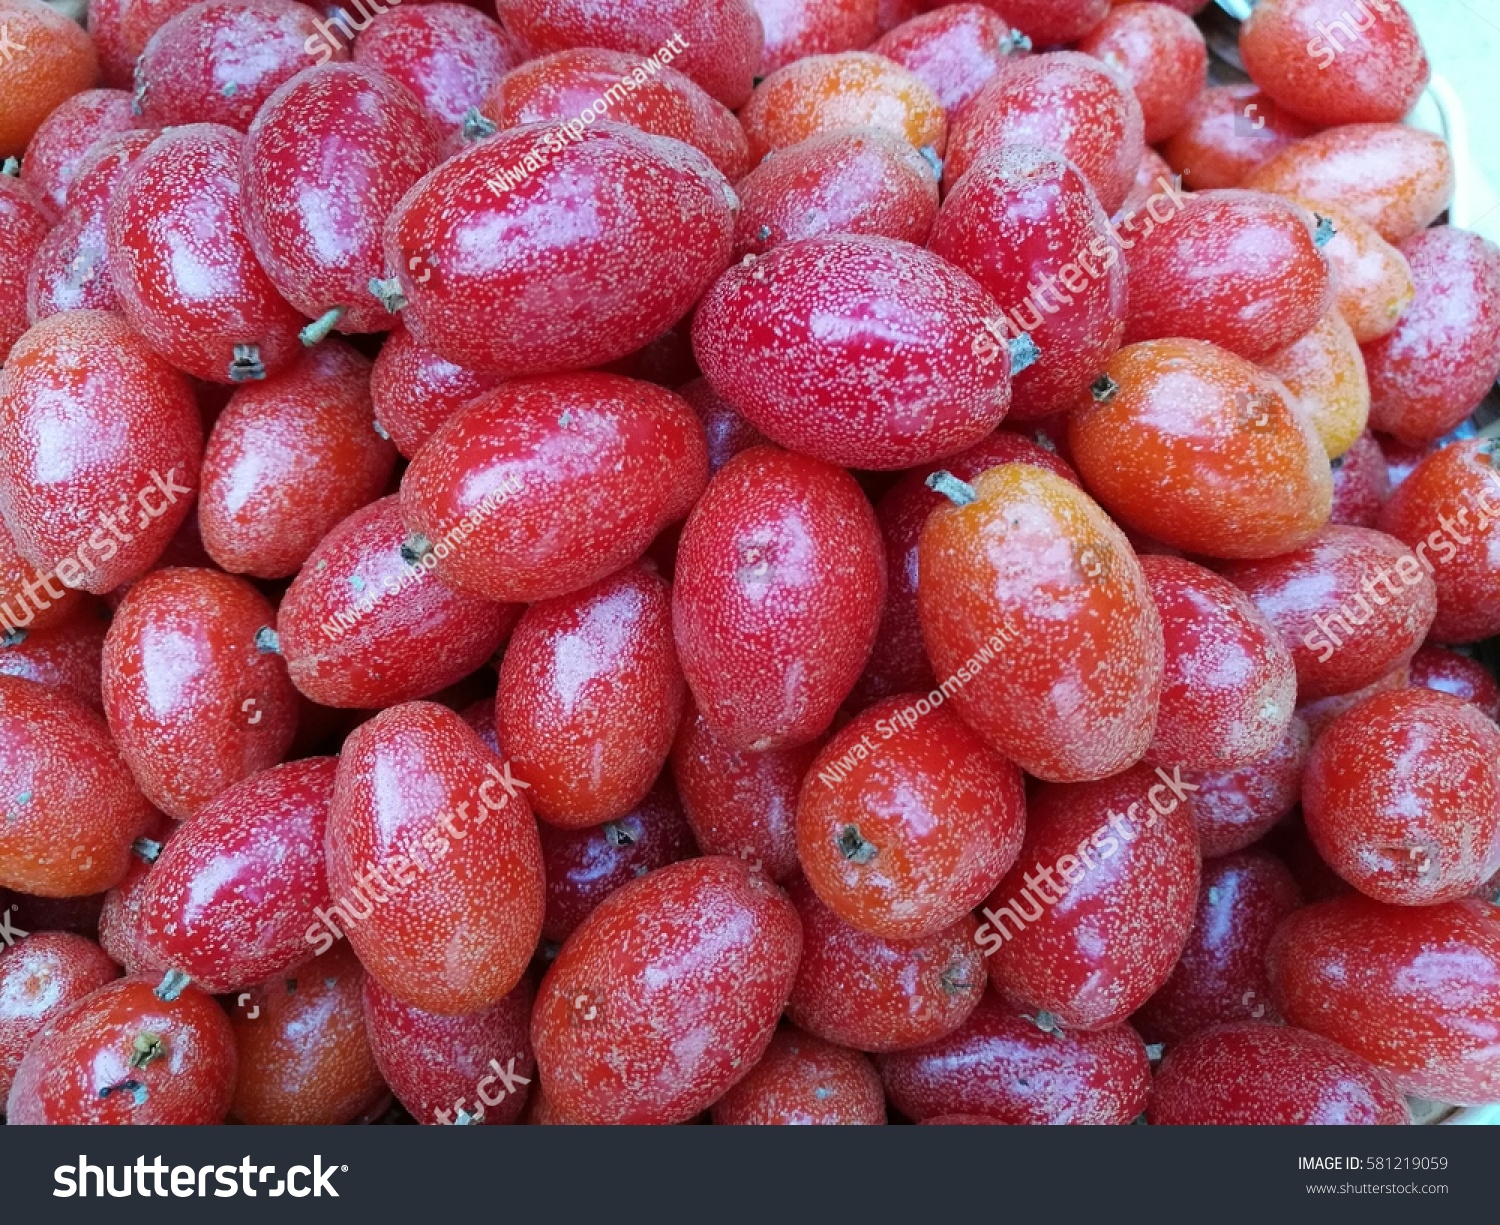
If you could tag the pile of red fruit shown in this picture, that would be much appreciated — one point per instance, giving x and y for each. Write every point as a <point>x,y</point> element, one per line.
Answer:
<point>913,475</point>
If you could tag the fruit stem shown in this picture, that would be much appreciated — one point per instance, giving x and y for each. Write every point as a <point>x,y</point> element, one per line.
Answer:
<point>930,156</point>
<point>171,986</point>
<point>414,548</point>
<point>1013,41</point>
<point>1323,235</point>
<point>960,493</point>
<point>319,328</point>
<point>267,641</point>
<point>1104,389</point>
<point>147,848</point>
<point>853,847</point>
<point>1023,352</point>
<point>11,167</point>
<point>476,126</point>
<point>246,366</point>
<point>13,638</point>
<point>389,293</point>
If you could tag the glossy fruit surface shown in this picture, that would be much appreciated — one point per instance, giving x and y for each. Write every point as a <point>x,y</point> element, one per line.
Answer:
<point>1233,809</point>
<point>1372,281</point>
<point>1325,371</point>
<point>59,61</point>
<point>40,975</point>
<point>1461,675</point>
<point>1361,483</point>
<point>798,28</point>
<point>415,391</point>
<point>802,1080</point>
<point>1230,131</point>
<point>63,142</point>
<point>1161,53</point>
<point>67,656</point>
<point>25,222</point>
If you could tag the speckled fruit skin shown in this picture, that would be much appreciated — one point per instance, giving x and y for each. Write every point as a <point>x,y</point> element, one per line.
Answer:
<point>1413,989</point>
<point>803,1080</point>
<point>323,165</point>
<point>304,1059</point>
<point>1372,281</point>
<point>1233,809</point>
<point>95,431</point>
<point>1020,217</point>
<point>849,181</point>
<point>442,1064</point>
<point>288,459</point>
<point>864,991</point>
<point>1396,178</point>
<point>66,656</point>
<point>1325,372</point>
<point>1361,483</point>
<point>459,925</point>
<point>1230,685</point>
<point>1113,935</point>
<point>561,86</point>
<point>1438,363</point>
<point>25,221</point>
<point>1320,713</point>
<point>1161,53</point>
<point>857,350</point>
<point>1251,1072</point>
<point>1234,267</point>
<point>907,820</point>
<point>230,898</point>
<point>415,390</point>
<point>1052,22</point>
<point>1325,600</point>
<point>955,50</point>
<point>119,924</point>
<point>822,93</point>
<point>194,695</point>
<point>1001,1064</point>
<point>1064,101</point>
<point>1448,508</point>
<point>182,263</point>
<point>779,584</point>
<point>722,39</point>
<point>66,136</point>
<point>1231,130</point>
<point>1334,65</point>
<point>365,625</point>
<point>1402,797</point>
<point>584,469</point>
<point>554,299</point>
<point>1033,600</point>
<point>584,866</point>
<point>447,55</point>
<point>724,428</point>
<point>738,803</point>
<point>667,994</point>
<point>75,809</point>
<point>40,975</point>
<point>19,581</point>
<point>1449,672</point>
<point>1193,446</point>
<point>899,659</point>
<point>218,61</point>
<point>795,29</point>
<point>590,697</point>
<point>124,1056</point>
<point>1221,975</point>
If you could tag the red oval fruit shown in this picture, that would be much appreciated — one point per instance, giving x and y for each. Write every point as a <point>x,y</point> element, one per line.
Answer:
<point>1234,808</point>
<point>1231,130</point>
<point>25,222</point>
<point>66,656</point>
<point>795,29</point>
<point>1050,23</point>
<point>1449,672</point>
<point>41,975</point>
<point>63,142</point>
<point>1161,53</point>
<point>1361,483</point>
<point>667,994</point>
<point>724,428</point>
<point>804,1080</point>
<point>22,610</point>
<point>780,578</point>
<point>955,50</point>
<point>415,390</point>
<point>195,691</point>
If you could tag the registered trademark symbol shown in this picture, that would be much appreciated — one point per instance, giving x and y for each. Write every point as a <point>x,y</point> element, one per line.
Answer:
<point>344,1168</point>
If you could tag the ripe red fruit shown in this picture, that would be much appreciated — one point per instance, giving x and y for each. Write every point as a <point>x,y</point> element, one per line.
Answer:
<point>1052,22</point>
<point>455,930</point>
<point>304,1058</point>
<point>1413,989</point>
<point>628,277</point>
<point>64,657</point>
<point>1019,220</point>
<point>1464,677</point>
<point>544,486</point>
<point>1231,130</point>
<point>1402,797</point>
<point>590,697</point>
<point>1100,949</point>
<point>479,1063</point>
<point>74,809</point>
<point>367,624</point>
<point>856,350</point>
<point>796,29</point>
<point>1325,601</point>
<point>1335,63</point>
<point>119,923</point>
<point>99,447</point>
<point>1432,371</point>
<point>667,994</point>
<point>20,607</point>
<point>63,142</point>
<point>327,158</point>
<point>40,976</point>
<point>875,994</point>
<point>217,316</point>
<point>955,50</point>
<point>1161,53</point>
<point>1252,1072</point>
<point>804,1080</point>
<point>230,898</point>
<point>1234,808</point>
<point>907,820</point>
<point>196,694</point>
<point>1021,1069</point>
<point>1064,101</point>
<point>780,580</point>
<point>1361,483</point>
<point>195,68</point>
<point>725,430</point>
<point>415,390</point>
<point>1195,447</point>
<point>564,85</point>
<point>25,221</point>
<point>1221,975</point>
<point>722,39</point>
<point>849,181</point>
<point>129,1054</point>
<point>1040,625</point>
